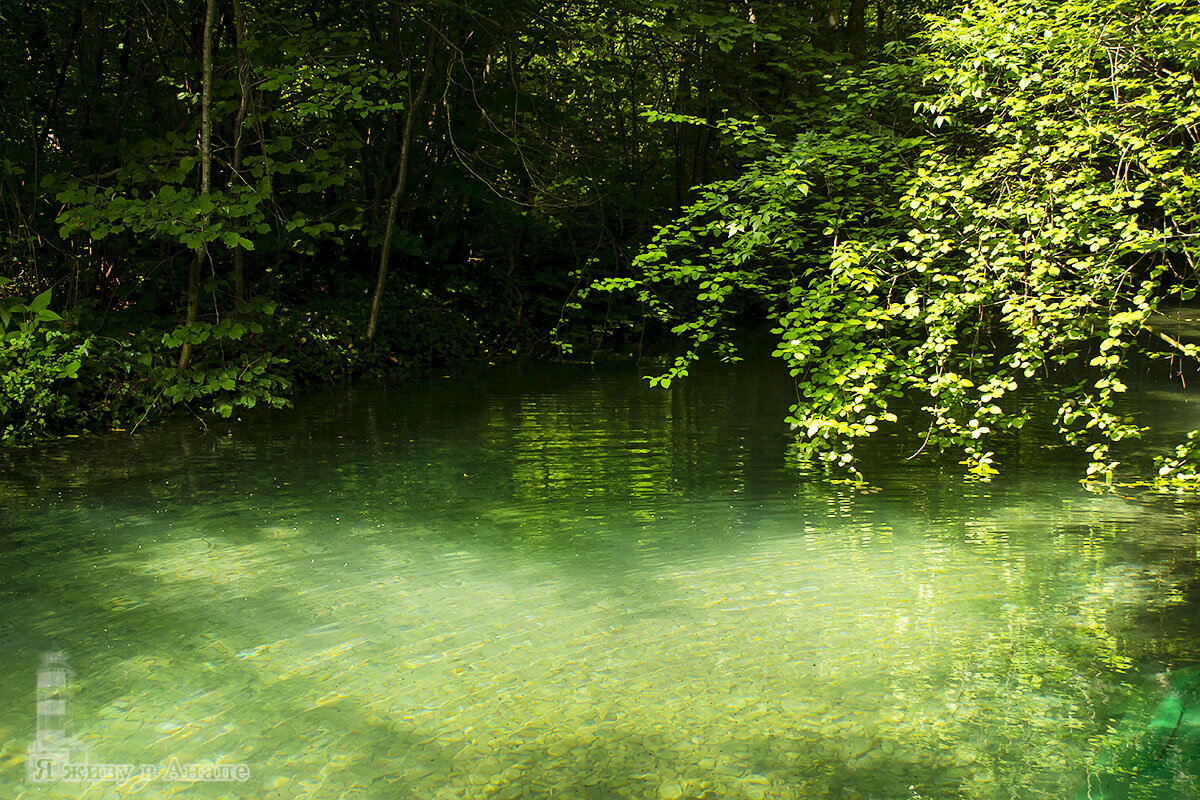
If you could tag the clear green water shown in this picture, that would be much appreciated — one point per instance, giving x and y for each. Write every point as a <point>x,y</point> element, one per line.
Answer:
<point>558,583</point>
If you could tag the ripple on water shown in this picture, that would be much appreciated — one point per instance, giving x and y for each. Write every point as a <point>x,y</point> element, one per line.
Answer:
<point>562,594</point>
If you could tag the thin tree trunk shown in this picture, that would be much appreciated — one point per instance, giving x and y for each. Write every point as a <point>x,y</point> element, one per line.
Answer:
<point>52,112</point>
<point>414,103</point>
<point>682,106</point>
<point>856,22</point>
<point>239,30</point>
<point>123,76</point>
<point>193,290</point>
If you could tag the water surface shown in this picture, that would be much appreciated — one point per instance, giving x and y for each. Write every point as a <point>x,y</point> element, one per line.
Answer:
<point>555,582</point>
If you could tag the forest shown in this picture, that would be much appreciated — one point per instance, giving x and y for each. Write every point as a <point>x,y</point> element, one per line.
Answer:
<point>958,217</point>
<point>627,400</point>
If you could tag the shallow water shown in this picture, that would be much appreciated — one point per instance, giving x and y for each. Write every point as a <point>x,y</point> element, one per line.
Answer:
<point>555,582</point>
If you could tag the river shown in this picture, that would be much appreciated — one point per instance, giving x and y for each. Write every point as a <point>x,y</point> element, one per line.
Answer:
<point>556,582</point>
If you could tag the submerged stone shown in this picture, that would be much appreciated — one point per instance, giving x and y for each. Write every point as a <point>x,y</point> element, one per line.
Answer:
<point>670,790</point>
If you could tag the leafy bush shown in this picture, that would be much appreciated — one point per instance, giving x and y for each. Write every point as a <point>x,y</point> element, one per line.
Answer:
<point>224,375</point>
<point>37,362</point>
<point>55,380</point>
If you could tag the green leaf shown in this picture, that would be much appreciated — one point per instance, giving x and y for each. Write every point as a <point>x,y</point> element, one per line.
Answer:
<point>40,302</point>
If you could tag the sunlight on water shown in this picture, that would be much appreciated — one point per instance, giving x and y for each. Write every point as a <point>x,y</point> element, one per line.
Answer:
<point>565,585</point>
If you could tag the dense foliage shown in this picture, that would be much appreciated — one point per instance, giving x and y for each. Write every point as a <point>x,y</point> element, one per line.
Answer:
<point>210,205</point>
<point>264,196</point>
<point>1012,238</point>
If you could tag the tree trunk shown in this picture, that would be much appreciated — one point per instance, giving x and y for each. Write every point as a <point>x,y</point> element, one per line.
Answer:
<point>856,22</point>
<point>239,123</point>
<point>52,112</point>
<point>415,101</point>
<point>193,290</point>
